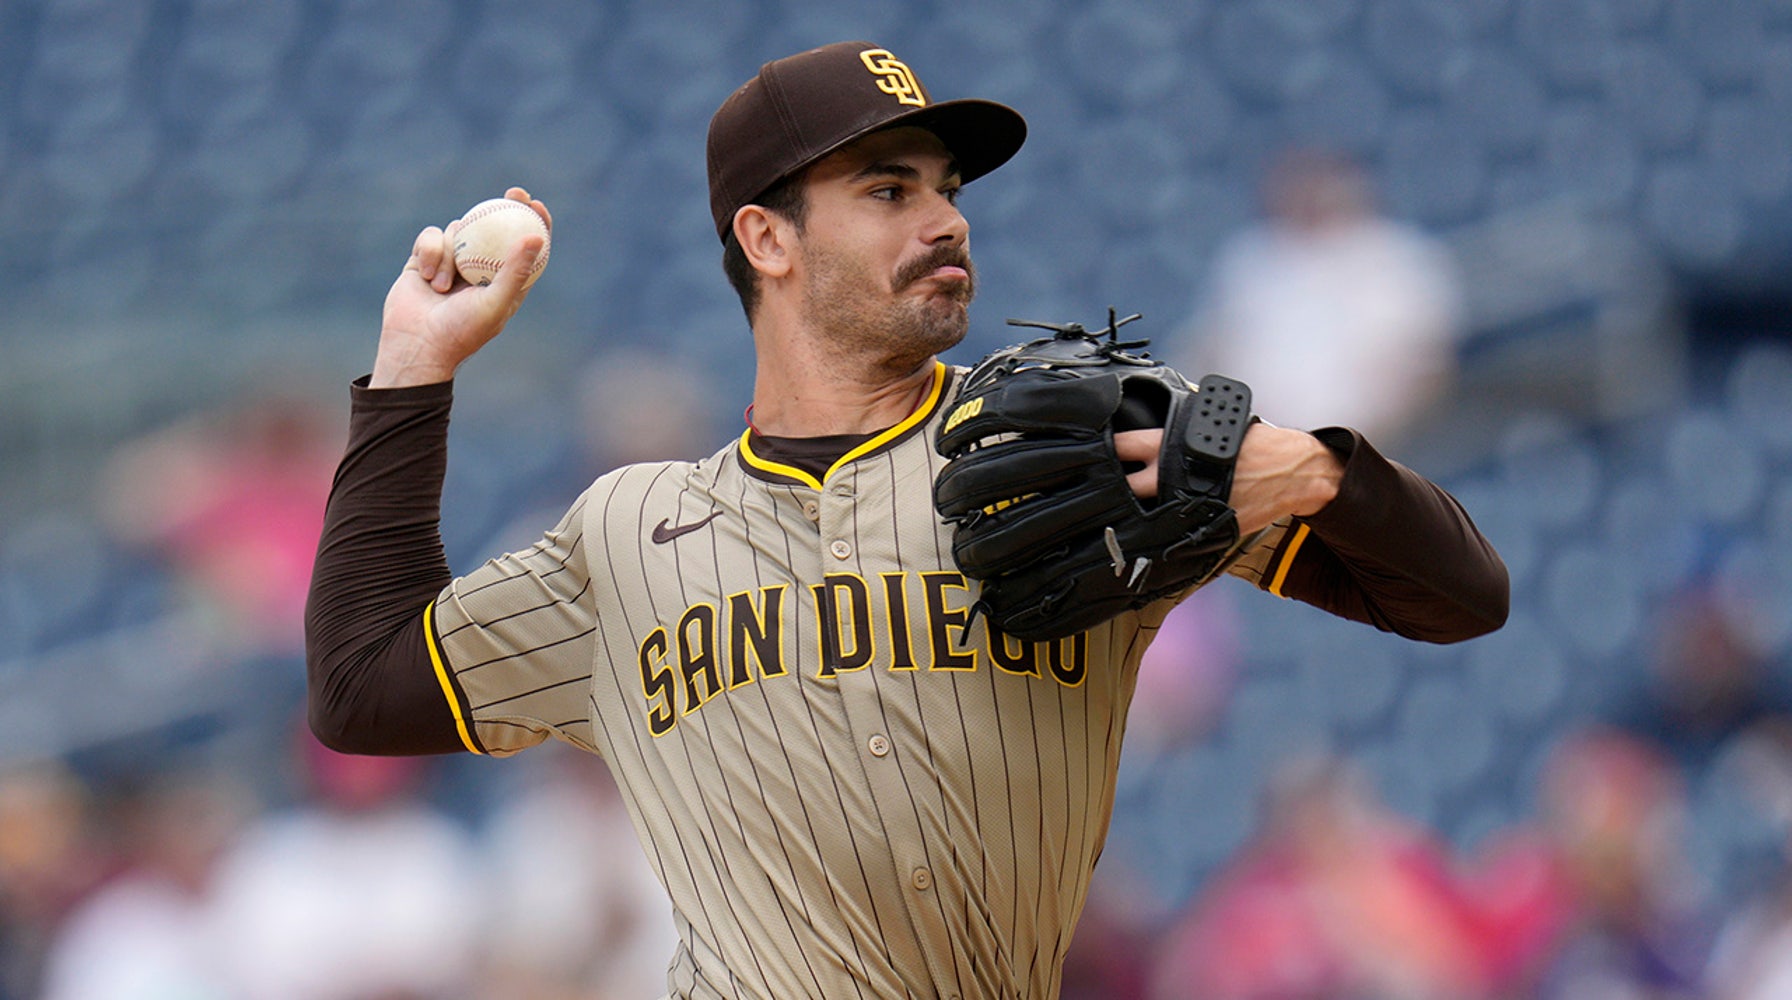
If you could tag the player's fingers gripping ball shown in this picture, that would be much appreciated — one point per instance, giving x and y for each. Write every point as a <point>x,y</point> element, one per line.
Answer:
<point>488,232</point>
<point>1041,510</point>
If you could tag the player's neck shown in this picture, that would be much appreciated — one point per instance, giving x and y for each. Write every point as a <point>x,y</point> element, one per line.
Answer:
<point>806,399</point>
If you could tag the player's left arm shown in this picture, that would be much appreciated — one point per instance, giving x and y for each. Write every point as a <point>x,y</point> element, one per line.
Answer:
<point>1353,533</point>
<point>1390,548</point>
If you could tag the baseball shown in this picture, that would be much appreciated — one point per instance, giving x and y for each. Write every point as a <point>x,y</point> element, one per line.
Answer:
<point>486,234</point>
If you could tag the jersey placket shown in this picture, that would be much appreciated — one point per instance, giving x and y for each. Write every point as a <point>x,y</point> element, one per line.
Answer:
<point>919,867</point>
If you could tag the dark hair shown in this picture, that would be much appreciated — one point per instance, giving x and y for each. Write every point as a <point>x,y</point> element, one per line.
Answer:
<point>784,198</point>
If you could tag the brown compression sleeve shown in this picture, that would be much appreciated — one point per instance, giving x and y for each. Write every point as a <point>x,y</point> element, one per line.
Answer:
<point>371,686</point>
<point>1395,550</point>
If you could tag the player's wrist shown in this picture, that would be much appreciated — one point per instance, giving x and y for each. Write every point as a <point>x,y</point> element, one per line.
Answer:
<point>1283,472</point>
<point>408,366</point>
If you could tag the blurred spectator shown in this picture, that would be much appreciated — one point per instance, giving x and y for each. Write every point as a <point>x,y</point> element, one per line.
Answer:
<point>1331,312</point>
<point>1336,898</point>
<point>1753,959</point>
<point>235,500</point>
<point>148,933</point>
<point>1110,956</point>
<point>1707,683</point>
<point>1614,815</point>
<point>361,892</point>
<point>1522,906</point>
<point>49,862</point>
<point>575,912</point>
<point>1753,956</point>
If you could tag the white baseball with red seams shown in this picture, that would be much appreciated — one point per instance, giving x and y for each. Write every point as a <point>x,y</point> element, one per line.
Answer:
<point>488,231</point>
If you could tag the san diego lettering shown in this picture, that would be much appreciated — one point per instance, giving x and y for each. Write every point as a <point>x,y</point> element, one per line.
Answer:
<point>712,649</point>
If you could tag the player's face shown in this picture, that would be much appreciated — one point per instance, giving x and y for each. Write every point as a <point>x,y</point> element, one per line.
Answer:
<point>885,251</point>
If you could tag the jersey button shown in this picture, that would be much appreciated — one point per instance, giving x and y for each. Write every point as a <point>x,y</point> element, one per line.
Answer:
<point>878,744</point>
<point>812,510</point>
<point>841,548</point>
<point>922,879</point>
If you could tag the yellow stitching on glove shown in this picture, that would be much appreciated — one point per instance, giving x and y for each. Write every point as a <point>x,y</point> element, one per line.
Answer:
<point>1005,504</point>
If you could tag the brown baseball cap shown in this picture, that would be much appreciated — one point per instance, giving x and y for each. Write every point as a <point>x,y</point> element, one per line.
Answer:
<point>801,108</point>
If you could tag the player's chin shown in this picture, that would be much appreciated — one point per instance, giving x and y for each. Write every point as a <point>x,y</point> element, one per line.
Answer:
<point>945,324</point>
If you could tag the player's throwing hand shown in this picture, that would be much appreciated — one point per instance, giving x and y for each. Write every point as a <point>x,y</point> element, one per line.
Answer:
<point>434,319</point>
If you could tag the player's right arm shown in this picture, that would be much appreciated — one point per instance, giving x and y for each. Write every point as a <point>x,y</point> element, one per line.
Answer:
<point>372,685</point>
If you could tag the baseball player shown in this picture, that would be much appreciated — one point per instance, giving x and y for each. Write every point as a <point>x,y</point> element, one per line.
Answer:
<point>849,784</point>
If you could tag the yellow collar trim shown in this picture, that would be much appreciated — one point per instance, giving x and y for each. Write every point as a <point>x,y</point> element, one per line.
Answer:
<point>889,434</point>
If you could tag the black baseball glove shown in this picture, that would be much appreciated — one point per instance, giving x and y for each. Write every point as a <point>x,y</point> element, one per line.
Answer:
<point>1038,499</point>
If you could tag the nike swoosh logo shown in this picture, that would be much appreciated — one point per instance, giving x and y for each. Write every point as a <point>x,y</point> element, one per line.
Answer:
<point>664,532</point>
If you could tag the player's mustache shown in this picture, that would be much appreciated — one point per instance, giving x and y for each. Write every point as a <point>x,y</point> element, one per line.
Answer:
<point>933,260</point>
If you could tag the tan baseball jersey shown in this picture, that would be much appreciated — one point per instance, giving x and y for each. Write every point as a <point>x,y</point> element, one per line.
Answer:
<point>846,789</point>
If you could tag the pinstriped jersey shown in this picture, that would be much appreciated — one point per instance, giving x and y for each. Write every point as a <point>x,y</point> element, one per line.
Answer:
<point>848,788</point>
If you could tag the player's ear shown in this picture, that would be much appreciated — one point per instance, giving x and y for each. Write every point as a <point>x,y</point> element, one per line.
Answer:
<point>766,238</point>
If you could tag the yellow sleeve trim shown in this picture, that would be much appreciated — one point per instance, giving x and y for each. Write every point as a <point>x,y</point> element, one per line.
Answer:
<point>1287,563</point>
<point>435,659</point>
<point>889,434</point>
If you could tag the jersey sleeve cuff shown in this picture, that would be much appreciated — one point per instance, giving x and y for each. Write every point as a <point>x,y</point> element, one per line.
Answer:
<point>435,393</point>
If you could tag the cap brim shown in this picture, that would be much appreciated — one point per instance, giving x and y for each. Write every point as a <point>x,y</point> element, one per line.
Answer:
<point>980,135</point>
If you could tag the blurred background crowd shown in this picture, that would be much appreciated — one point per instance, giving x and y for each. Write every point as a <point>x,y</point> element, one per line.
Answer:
<point>1540,250</point>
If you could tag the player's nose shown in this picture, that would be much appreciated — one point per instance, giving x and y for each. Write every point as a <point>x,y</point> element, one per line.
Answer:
<point>945,223</point>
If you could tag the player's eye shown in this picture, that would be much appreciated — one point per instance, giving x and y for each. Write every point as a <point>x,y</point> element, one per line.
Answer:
<point>890,192</point>
<point>952,194</point>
